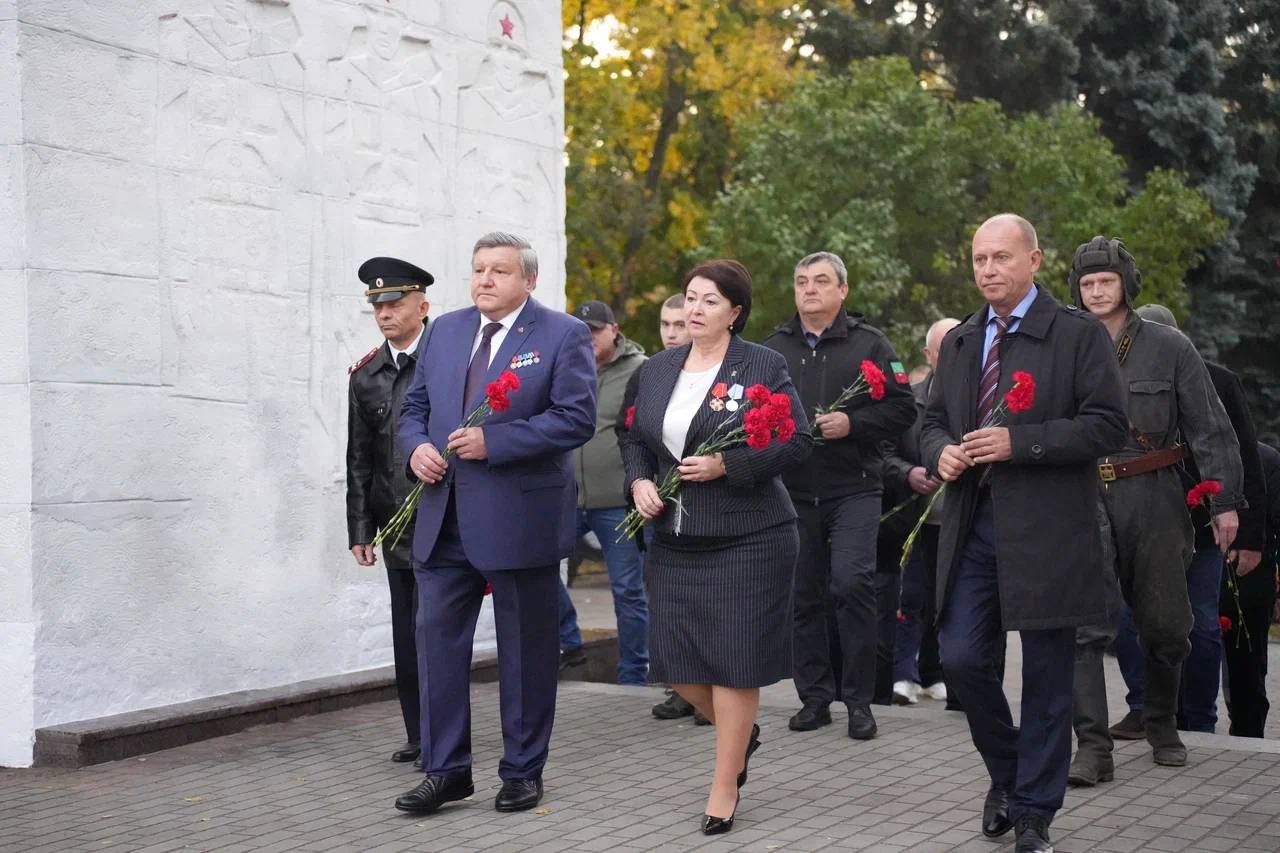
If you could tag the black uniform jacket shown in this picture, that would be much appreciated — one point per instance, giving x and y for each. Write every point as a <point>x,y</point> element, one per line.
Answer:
<point>1048,546</point>
<point>843,466</point>
<point>376,483</point>
<point>1252,533</point>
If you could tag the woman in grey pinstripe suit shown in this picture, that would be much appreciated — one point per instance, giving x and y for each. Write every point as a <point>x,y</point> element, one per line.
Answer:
<point>719,570</point>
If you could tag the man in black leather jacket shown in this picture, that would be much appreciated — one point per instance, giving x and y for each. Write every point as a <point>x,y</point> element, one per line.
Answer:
<point>376,481</point>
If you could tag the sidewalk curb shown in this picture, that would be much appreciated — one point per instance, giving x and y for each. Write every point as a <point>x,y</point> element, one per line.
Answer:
<point>85,742</point>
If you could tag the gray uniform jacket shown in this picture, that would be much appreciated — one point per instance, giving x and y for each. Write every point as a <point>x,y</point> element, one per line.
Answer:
<point>1172,400</point>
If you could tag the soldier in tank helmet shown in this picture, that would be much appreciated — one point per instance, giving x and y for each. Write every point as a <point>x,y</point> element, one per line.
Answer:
<point>376,481</point>
<point>1147,537</point>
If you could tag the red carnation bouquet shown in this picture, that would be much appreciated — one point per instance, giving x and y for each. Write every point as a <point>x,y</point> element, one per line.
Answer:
<point>496,399</point>
<point>870,381</point>
<point>762,420</point>
<point>1019,398</point>
<point>1199,494</point>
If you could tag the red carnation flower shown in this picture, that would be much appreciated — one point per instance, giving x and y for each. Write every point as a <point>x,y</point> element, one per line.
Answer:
<point>781,402</point>
<point>631,417</point>
<point>1201,490</point>
<point>758,395</point>
<point>496,396</point>
<point>786,430</point>
<point>874,377</point>
<point>1022,395</point>
<point>1224,622</point>
<point>758,440</point>
<point>509,381</point>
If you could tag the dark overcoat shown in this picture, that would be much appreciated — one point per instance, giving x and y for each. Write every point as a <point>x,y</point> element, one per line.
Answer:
<point>1049,565</point>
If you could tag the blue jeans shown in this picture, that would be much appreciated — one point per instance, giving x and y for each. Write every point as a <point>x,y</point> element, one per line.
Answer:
<point>1201,672</point>
<point>626,581</point>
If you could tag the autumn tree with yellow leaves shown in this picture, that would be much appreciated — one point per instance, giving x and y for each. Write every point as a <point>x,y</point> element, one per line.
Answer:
<point>655,91</point>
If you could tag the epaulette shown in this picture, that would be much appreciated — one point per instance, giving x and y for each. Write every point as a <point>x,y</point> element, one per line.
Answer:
<point>368,357</point>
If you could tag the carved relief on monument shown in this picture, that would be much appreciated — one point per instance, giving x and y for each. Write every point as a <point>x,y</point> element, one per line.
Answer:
<point>508,93</point>
<point>384,110</point>
<point>506,185</point>
<point>251,39</point>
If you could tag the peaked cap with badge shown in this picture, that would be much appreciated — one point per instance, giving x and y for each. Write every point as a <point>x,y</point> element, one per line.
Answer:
<point>389,279</point>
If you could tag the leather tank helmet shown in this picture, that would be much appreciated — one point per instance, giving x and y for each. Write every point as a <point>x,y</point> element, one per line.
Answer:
<point>1103,255</point>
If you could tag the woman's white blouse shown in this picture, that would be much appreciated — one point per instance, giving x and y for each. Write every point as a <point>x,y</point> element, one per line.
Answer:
<point>690,392</point>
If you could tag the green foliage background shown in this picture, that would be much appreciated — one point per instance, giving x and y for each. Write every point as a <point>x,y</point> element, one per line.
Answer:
<point>886,131</point>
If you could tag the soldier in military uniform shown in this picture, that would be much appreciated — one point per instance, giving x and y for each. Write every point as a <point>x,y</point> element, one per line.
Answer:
<point>376,481</point>
<point>1147,534</point>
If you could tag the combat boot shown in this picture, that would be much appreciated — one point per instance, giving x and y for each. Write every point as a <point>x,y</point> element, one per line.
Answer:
<point>1159,715</point>
<point>1093,762</point>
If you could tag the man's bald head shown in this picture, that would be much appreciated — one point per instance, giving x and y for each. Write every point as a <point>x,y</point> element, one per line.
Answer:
<point>933,339</point>
<point>1013,220</point>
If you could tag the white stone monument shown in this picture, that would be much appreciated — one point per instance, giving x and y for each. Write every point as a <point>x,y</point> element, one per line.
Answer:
<point>187,188</point>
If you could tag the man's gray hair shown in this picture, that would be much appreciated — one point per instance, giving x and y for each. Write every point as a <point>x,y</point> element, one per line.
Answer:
<point>499,239</point>
<point>842,274</point>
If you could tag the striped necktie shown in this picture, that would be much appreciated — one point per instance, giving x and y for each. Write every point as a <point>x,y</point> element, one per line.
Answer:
<point>991,373</point>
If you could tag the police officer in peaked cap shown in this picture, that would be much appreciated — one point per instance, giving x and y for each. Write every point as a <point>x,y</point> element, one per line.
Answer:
<point>376,483</point>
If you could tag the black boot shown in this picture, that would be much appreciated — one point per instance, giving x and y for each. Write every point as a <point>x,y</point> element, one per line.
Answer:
<point>1093,762</point>
<point>1159,714</point>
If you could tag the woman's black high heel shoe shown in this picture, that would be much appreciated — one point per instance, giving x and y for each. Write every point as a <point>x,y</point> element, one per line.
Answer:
<point>712,825</point>
<point>752,746</point>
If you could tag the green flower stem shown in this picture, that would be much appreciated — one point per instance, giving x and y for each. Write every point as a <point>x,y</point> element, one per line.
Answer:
<point>915,531</point>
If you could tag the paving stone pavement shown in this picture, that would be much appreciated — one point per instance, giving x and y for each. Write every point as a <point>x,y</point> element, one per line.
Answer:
<point>620,780</point>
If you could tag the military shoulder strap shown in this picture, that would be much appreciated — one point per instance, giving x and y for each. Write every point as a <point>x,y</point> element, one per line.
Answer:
<point>368,357</point>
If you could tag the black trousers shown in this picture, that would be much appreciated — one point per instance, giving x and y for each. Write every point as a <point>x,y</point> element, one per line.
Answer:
<point>404,610</point>
<point>835,575</point>
<point>1246,662</point>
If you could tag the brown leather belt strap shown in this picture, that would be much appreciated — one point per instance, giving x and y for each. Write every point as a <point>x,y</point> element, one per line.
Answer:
<point>1148,462</point>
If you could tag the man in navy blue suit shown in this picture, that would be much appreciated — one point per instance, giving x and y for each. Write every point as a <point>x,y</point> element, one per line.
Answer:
<point>500,510</point>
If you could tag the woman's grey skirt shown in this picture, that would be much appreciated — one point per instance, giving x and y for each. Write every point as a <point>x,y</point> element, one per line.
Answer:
<point>720,611</point>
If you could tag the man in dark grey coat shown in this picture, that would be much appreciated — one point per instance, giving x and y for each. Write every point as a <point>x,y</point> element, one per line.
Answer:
<point>1147,531</point>
<point>1018,549</point>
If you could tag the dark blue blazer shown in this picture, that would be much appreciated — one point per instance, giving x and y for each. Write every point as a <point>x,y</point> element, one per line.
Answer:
<point>516,509</point>
<point>750,496</point>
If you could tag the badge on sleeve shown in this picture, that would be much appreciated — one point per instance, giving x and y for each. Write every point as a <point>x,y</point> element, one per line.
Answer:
<point>899,373</point>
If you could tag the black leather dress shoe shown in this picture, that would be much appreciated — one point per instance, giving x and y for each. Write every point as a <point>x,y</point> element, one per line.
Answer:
<point>576,656</point>
<point>862,726</point>
<point>435,790</point>
<point>417,763</point>
<point>712,825</point>
<point>812,716</point>
<point>995,813</point>
<point>409,752</point>
<point>752,745</point>
<point>1033,835</point>
<point>518,795</point>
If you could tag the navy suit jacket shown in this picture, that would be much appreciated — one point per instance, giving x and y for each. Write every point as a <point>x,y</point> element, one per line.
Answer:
<point>516,509</point>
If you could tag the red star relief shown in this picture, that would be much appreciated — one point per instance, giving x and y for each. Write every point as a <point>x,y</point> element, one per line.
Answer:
<point>508,26</point>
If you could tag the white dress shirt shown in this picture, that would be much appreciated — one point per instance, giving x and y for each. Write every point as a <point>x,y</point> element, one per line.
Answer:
<point>499,336</point>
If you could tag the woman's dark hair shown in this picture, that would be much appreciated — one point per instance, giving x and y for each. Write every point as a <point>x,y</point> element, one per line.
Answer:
<point>734,283</point>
